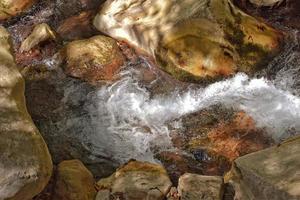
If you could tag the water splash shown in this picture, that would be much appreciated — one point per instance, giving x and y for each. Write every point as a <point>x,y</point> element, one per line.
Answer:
<point>130,123</point>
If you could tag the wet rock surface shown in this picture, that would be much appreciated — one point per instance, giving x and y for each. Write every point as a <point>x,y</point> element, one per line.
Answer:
<point>233,41</point>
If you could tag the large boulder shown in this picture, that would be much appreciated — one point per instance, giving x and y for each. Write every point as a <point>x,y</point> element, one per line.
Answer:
<point>10,8</point>
<point>138,180</point>
<point>273,173</point>
<point>195,40</point>
<point>95,59</point>
<point>197,187</point>
<point>74,182</point>
<point>25,163</point>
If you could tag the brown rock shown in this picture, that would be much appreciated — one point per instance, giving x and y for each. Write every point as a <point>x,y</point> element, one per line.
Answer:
<point>96,59</point>
<point>74,182</point>
<point>77,27</point>
<point>10,8</point>
<point>196,187</point>
<point>26,164</point>
<point>138,180</point>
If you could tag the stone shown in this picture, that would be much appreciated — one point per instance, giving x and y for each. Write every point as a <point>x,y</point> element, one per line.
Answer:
<point>217,135</point>
<point>77,27</point>
<point>93,60</point>
<point>273,173</point>
<point>10,8</point>
<point>74,182</point>
<point>138,180</point>
<point>198,41</point>
<point>103,195</point>
<point>25,162</point>
<point>41,32</point>
<point>197,187</point>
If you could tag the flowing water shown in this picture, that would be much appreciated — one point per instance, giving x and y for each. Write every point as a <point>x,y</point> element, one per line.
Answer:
<point>126,120</point>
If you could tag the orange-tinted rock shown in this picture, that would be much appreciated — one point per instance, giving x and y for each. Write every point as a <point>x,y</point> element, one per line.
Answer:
<point>217,136</point>
<point>93,60</point>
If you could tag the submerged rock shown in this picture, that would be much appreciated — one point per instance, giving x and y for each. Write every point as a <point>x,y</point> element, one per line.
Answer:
<point>25,162</point>
<point>192,40</point>
<point>273,173</point>
<point>10,8</point>
<point>40,33</point>
<point>74,182</point>
<point>197,187</point>
<point>95,59</point>
<point>138,180</point>
<point>218,135</point>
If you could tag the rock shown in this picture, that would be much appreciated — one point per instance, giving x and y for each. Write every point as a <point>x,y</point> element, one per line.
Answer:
<point>273,173</point>
<point>218,135</point>
<point>25,162</point>
<point>173,194</point>
<point>197,187</point>
<point>10,8</point>
<point>177,164</point>
<point>74,182</point>
<point>96,59</point>
<point>103,195</point>
<point>138,180</point>
<point>193,40</point>
<point>77,27</point>
<point>269,3</point>
<point>41,32</point>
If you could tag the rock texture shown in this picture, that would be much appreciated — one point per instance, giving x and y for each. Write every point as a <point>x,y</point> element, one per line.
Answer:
<point>96,59</point>
<point>74,182</point>
<point>40,33</point>
<point>25,163</point>
<point>197,187</point>
<point>273,173</point>
<point>191,39</point>
<point>138,180</point>
<point>10,8</point>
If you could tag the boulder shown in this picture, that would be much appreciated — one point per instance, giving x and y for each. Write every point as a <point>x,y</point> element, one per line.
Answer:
<point>194,40</point>
<point>74,182</point>
<point>10,8</point>
<point>25,163</point>
<point>138,180</point>
<point>273,173</point>
<point>197,187</point>
<point>41,32</point>
<point>95,59</point>
<point>216,136</point>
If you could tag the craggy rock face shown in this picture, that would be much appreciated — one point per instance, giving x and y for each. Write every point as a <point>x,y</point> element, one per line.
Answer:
<point>138,180</point>
<point>10,8</point>
<point>266,2</point>
<point>96,59</point>
<point>213,39</point>
<point>26,164</point>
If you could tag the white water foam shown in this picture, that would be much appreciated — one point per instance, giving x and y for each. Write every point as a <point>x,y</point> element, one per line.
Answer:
<point>130,123</point>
